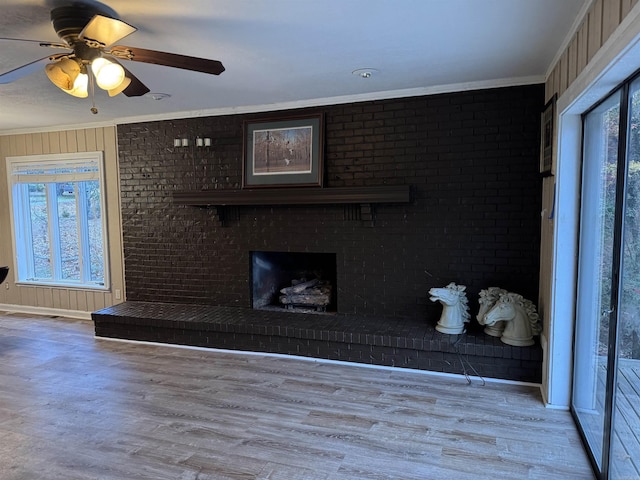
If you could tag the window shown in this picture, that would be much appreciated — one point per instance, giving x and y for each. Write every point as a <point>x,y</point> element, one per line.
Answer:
<point>58,221</point>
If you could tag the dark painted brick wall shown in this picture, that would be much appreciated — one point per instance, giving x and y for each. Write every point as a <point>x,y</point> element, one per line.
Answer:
<point>471,157</point>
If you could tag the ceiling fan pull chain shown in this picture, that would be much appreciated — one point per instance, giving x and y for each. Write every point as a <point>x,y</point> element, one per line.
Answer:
<point>92,89</point>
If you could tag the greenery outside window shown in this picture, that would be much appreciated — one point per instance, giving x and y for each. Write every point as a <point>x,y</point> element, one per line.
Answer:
<point>58,220</point>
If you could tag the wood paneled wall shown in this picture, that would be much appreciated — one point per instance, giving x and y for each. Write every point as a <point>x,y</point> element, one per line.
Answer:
<point>69,299</point>
<point>598,25</point>
<point>601,21</point>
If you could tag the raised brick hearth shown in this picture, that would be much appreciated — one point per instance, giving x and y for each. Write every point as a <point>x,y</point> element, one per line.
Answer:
<point>399,343</point>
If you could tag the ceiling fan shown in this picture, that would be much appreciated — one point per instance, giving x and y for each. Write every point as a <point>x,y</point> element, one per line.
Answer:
<point>90,30</point>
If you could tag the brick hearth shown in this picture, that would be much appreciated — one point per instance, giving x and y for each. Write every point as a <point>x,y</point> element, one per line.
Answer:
<point>399,343</point>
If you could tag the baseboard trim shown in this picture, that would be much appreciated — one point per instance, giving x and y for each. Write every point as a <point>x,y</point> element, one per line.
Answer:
<point>47,311</point>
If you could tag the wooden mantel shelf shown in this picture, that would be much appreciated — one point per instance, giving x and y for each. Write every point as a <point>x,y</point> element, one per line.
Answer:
<point>295,196</point>
<point>365,196</point>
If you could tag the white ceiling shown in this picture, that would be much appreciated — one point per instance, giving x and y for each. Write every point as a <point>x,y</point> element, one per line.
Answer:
<point>289,53</point>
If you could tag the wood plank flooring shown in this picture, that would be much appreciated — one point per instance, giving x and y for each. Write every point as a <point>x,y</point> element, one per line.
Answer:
<point>626,438</point>
<point>624,460</point>
<point>76,407</point>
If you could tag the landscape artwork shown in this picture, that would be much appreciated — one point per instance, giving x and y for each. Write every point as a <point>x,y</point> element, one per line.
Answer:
<point>282,151</point>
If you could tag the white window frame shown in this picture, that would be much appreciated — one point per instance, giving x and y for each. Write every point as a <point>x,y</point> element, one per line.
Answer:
<point>18,179</point>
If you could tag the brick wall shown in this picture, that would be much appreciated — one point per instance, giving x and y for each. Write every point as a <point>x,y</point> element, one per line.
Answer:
<point>471,158</point>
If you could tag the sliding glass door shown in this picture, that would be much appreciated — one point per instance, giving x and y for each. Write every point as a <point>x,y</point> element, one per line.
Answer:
<point>593,313</point>
<point>606,379</point>
<point>625,439</point>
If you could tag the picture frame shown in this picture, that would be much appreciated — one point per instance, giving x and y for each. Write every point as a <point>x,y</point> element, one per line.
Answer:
<point>546,136</point>
<point>283,152</point>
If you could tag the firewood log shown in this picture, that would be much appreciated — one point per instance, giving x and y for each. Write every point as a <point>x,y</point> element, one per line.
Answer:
<point>299,287</point>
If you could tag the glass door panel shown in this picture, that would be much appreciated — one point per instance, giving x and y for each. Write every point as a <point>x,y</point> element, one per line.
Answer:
<point>625,439</point>
<point>594,303</point>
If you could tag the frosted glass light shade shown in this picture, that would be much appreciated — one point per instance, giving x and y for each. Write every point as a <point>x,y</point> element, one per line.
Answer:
<point>80,86</point>
<point>108,75</point>
<point>63,73</point>
<point>124,84</point>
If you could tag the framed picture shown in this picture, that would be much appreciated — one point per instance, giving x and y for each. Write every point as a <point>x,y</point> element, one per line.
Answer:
<point>546,137</point>
<point>283,152</point>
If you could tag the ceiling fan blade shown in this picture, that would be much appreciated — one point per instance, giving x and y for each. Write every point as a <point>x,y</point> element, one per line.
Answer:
<point>185,62</point>
<point>105,31</point>
<point>42,43</point>
<point>136,88</point>
<point>23,71</point>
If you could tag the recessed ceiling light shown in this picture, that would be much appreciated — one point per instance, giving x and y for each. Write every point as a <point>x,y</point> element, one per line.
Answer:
<point>364,72</point>
<point>157,96</point>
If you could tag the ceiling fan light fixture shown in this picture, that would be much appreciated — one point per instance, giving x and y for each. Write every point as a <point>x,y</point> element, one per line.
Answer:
<point>109,75</point>
<point>119,89</point>
<point>89,30</point>
<point>80,86</point>
<point>63,73</point>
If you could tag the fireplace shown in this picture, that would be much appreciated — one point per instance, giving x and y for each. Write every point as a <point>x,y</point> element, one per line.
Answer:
<point>297,281</point>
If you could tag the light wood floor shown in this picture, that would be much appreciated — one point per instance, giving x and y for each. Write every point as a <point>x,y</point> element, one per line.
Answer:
<point>625,453</point>
<point>76,407</point>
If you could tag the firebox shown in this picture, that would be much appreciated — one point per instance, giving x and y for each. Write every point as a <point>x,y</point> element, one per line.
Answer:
<point>297,281</point>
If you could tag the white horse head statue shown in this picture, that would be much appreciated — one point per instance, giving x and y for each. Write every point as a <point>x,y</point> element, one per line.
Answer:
<point>520,317</point>
<point>455,308</point>
<point>487,300</point>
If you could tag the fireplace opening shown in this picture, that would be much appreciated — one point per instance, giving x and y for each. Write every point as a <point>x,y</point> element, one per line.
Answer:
<point>297,281</point>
